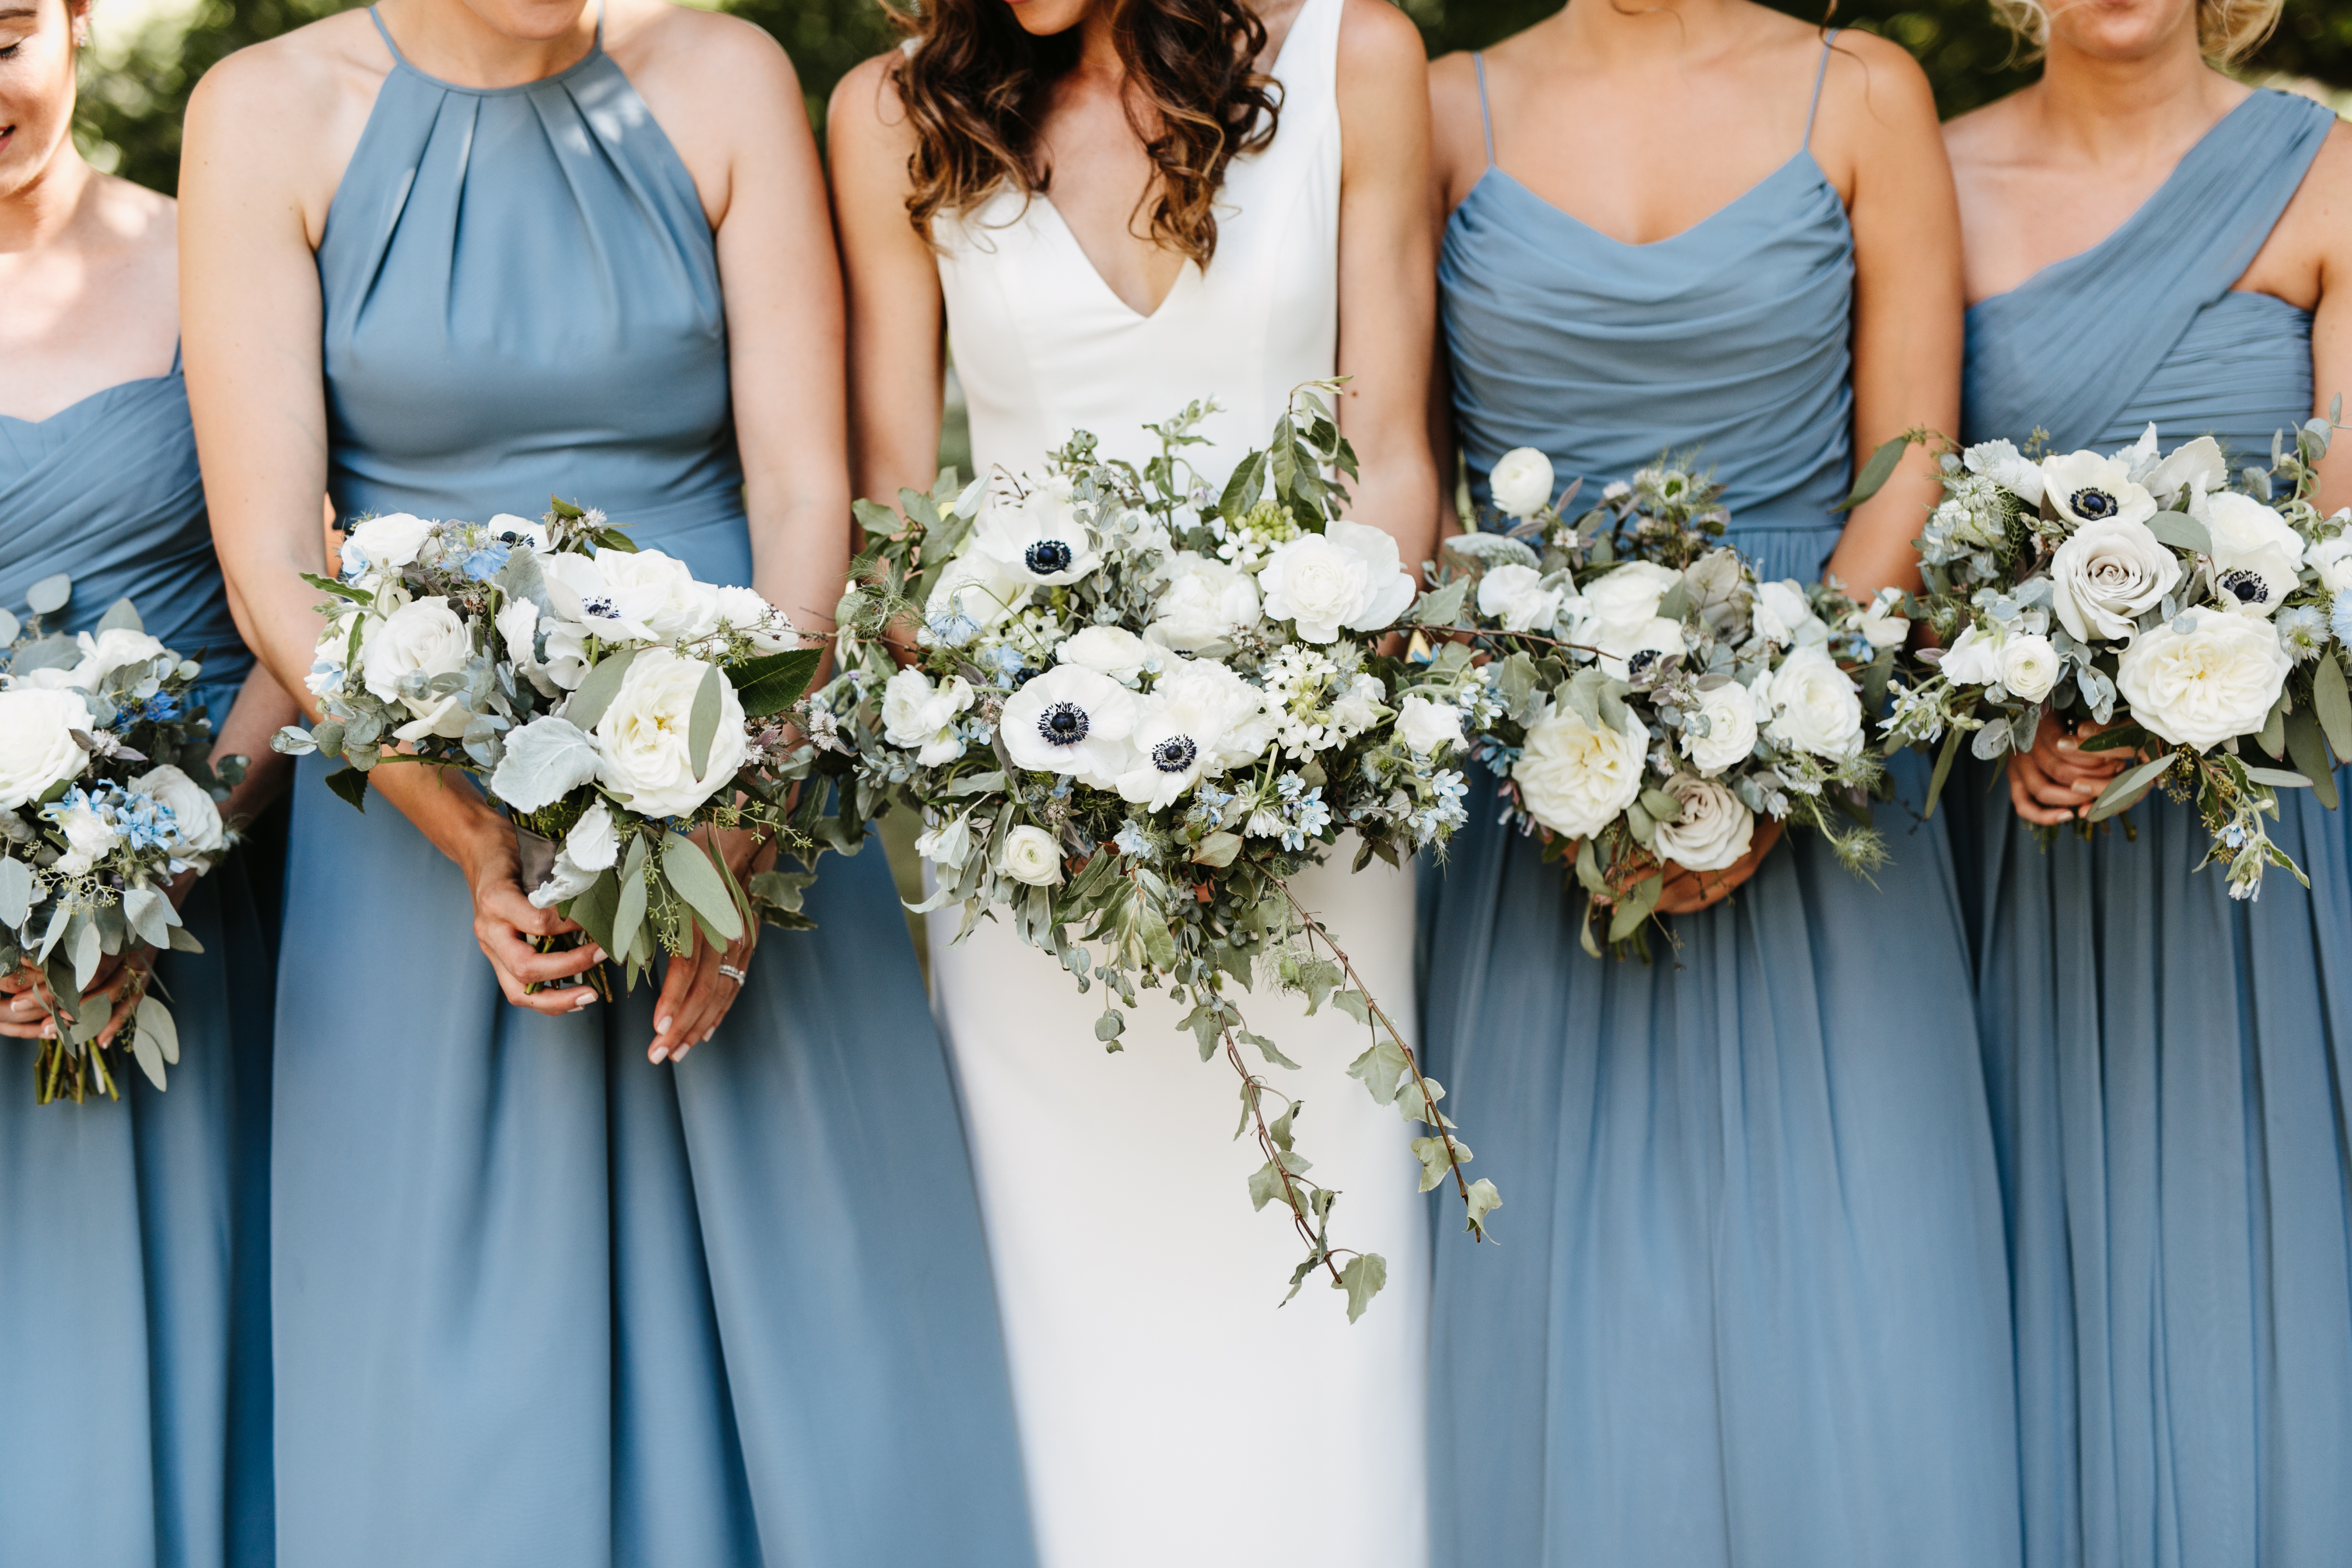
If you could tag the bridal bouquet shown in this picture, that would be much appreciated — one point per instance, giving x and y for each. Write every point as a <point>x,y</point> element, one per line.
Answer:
<point>2139,589</point>
<point>107,797</point>
<point>608,700</point>
<point>1132,710</point>
<point>1647,699</point>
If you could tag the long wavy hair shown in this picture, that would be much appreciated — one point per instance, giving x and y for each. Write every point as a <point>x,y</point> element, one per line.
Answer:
<point>976,86</point>
<point>2227,30</point>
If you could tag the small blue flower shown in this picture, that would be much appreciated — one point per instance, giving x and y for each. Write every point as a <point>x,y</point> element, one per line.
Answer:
<point>485,561</point>
<point>953,629</point>
<point>2340,620</point>
<point>1130,841</point>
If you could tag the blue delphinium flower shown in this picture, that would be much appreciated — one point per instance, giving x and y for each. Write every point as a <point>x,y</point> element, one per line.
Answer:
<point>485,561</point>
<point>2302,632</point>
<point>953,629</point>
<point>1131,840</point>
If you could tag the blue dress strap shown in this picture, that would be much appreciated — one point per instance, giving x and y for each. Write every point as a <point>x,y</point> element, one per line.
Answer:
<point>1821,75</point>
<point>1486,115</point>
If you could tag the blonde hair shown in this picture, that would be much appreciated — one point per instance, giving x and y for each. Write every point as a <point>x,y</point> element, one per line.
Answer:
<point>2227,30</point>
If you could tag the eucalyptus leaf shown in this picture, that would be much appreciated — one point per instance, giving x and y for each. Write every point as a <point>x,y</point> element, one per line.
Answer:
<point>155,1019</point>
<point>629,910</point>
<point>2334,704</point>
<point>702,724</point>
<point>2125,792</point>
<point>15,891</point>
<point>49,595</point>
<point>2181,532</point>
<point>687,865</point>
<point>9,627</point>
<point>120,615</point>
<point>2309,750</point>
<point>2278,778</point>
<point>598,688</point>
<point>1876,472</point>
<point>1218,849</point>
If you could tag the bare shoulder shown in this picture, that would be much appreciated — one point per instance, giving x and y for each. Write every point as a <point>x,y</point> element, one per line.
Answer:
<point>290,82</point>
<point>711,55</point>
<point>866,113</point>
<point>1870,81</point>
<point>1376,38</point>
<point>1454,94</point>
<point>2321,212</point>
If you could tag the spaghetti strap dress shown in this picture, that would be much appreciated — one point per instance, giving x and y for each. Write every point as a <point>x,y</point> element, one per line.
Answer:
<point>1748,1305</point>
<point>2168,1067</point>
<point>539,1300</point>
<point>134,1237</point>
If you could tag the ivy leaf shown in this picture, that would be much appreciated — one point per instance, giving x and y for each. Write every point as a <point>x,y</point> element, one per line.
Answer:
<point>1355,1004</point>
<point>1273,1052</point>
<point>1380,1069</point>
<point>1483,1200</point>
<point>1361,1278</point>
<point>352,784</point>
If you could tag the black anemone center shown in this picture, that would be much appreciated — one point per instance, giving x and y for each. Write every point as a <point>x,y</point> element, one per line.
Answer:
<point>2247,586</point>
<point>1639,665</point>
<point>1174,754</point>
<point>601,608</point>
<point>1048,556</point>
<point>1063,724</point>
<point>2091,505</point>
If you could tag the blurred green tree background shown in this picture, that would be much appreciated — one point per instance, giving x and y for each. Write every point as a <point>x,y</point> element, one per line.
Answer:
<point>136,81</point>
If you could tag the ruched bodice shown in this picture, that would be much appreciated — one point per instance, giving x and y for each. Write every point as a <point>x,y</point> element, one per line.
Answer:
<point>2147,325</point>
<point>1726,343</point>
<point>107,491</point>
<point>522,300</point>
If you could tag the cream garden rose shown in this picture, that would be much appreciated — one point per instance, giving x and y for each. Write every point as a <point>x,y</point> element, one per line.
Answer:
<point>37,750</point>
<point>645,736</point>
<point>1730,710</point>
<point>424,638</point>
<point>195,818</point>
<point>1576,779</point>
<point>2029,665</point>
<point>1815,705</point>
<point>1428,727</point>
<point>1623,600</point>
<point>2109,573</point>
<point>1714,830</point>
<point>2198,686</point>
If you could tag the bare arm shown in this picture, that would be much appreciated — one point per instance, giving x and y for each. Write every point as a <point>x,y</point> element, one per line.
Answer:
<point>1388,274</point>
<point>2329,188</point>
<point>1457,158</point>
<point>1879,120</point>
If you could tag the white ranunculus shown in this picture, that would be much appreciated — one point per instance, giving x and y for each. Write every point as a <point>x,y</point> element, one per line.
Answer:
<point>980,589</point>
<point>1520,596</point>
<point>2257,553</point>
<point>1521,482</point>
<point>2005,466</point>
<point>1973,660</point>
<point>1816,707</point>
<point>1714,830</point>
<point>1428,727</point>
<point>1204,605</point>
<point>2029,666</point>
<point>383,544</point>
<point>90,838</point>
<point>1111,650</point>
<point>1037,539</point>
<point>1348,578</point>
<point>118,647</point>
<point>423,638</point>
<point>1071,721</point>
<point>645,736</point>
<point>1881,626</point>
<point>922,717</point>
<point>1031,855</point>
<point>2332,559</point>
<point>1622,599</point>
<point>197,821</point>
<point>594,843</point>
<point>767,628</point>
<point>1783,612</point>
<point>544,761</point>
<point>1730,710</point>
<point>1575,779</point>
<point>948,846</point>
<point>2107,574</point>
<point>2086,487</point>
<point>2201,686</point>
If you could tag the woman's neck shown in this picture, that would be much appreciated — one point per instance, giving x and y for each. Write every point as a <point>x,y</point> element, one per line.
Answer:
<point>45,207</point>
<point>2110,111</point>
<point>450,39</point>
<point>1611,34</point>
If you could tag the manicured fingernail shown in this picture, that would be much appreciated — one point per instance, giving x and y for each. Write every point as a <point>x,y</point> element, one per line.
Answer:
<point>660,1054</point>
<point>2065,743</point>
<point>595,953</point>
<point>587,997</point>
<point>711,1035</point>
<point>661,1026</point>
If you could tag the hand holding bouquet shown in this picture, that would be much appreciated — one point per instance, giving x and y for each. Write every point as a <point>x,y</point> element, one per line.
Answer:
<point>1137,706</point>
<point>107,804</point>
<point>610,703</point>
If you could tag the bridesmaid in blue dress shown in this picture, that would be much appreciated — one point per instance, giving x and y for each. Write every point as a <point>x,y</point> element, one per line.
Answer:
<point>2148,240</point>
<point>540,1299</point>
<point>1749,1304</point>
<point>134,1350</point>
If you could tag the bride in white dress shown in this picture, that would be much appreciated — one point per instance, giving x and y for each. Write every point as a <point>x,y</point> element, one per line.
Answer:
<point>1090,278</point>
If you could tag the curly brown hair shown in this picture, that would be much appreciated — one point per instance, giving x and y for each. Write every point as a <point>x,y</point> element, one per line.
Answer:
<point>976,84</point>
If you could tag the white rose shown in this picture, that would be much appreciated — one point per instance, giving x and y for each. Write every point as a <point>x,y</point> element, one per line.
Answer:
<point>1205,605</point>
<point>2106,575</point>
<point>1575,779</point>
<point>1037,538</point>
<point>1521,482</point>
<point>90,838</point>
<point>1815,705</point>
<point>1108,651</point>
<point>1783,612</point>
<point>1714,830</point>
<point>2199,687</point>
<point>2257,553</point>
<point>195,819</point>
<point>1428,727</point>
<point>2332,559</point>
<point>921,717</point>
<point>767,628</point>
<point>645,736</point>
<point>1519,596</point>
<point>424,638</point>
<point>544,761</point>
<point>594,843</point>
<point>1346,578</point>
<point>1623,599</point>
<point>1881,626</point>
<point>2085,488</point>
<point>383,544</point>
<point>1031,855</point>
<point>1730,710</point>
<point>1071,721</point>
<point>116,647</point>
<point>2029,666</point>
<point>2005,466</point>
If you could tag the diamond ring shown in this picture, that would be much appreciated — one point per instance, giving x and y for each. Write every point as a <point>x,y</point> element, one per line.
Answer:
<point>732,973</point>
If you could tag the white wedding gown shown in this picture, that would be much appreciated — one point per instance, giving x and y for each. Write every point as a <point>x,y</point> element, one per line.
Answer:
<point>1170,1412</point>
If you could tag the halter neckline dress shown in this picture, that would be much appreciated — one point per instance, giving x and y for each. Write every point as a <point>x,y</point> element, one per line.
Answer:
<point>135,1261</point>
<point>1140,1301</point>
<point>541,1301</point>
<point>2168,1067</point>
<point>1749,1305</point>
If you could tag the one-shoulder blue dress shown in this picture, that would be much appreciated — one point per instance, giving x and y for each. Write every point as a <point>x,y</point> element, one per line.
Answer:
<point>2168,1068</point>
<point>539,1301</point>
<point>134,1237</point>
<point>1748,1305</point>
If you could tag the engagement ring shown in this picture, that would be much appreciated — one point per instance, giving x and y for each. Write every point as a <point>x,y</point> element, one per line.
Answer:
<point>731,972</point>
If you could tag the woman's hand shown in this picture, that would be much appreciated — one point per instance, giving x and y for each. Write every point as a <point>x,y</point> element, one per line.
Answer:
<point>2058,781</point>
<point>699,987</point>
<point>120,982</point>
<point>1686,892</point>
<point>505,920</point>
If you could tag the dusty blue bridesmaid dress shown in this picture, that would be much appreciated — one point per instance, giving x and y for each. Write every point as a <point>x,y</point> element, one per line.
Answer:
<point>539,1301</point>
<point>1748,1306</point>
<point>135,1339</point>
<point>2168,1068</point>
